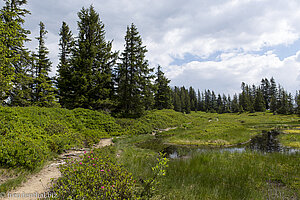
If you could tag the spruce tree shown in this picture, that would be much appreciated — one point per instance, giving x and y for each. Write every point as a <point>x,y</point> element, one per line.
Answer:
<point>193,99</point>
<point>235,104</point>
<point>6,68</point>
<point>93,61</point>
<point>290,104</point>
<point>265,89</point>
<point>273,104</point>
<point>226,103</point>
<point>44,89</point>
<point>65,70</point>
<point>163,91</point>
<point>22,92</point>
<point>214,104</point>
<point>135,90</point>
<point>259,101</point>
<point>220,106</point>
<point>185,100</point>
<point>297,101</point>
<point>176,100</point>
<point>284,103</point>
<point>273,88</point>
<point>199,101</point>
<point>245,99</point>
<point>13,55</point>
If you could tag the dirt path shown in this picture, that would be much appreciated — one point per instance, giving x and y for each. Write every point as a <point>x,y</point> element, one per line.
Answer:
<point>38,184</point>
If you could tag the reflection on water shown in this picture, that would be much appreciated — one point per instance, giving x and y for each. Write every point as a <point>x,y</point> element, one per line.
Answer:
<point>266,142</point>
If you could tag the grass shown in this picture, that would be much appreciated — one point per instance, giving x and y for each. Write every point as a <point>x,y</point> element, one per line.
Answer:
<point>232,176</point>
<point>212,129</point>
<point>215,175</point>
<point>290,138</point>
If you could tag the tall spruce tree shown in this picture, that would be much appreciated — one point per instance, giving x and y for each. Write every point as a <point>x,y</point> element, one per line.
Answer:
<point>185,100</point>
<point>64,84</point>
<point>6,68</point>
<point>214,105</point>
<point>259,101</point>
<point>220,106</point>
<point>135,90</point>
<point>93,61</point>
<point>235,104</point>
<point>44,87</point>
<point>176,99</point>
<point>163,91</point>
<point>193,99</point>
<point>13,55</point>
<point>265,89</point>
<point>297,101</point>
<point>245,99</point>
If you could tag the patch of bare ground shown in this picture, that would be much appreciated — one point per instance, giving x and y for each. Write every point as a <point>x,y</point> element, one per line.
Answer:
<point>37,185</point>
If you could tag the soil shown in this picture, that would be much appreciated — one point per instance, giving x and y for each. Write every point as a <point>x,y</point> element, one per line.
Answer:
<point>37,185</point>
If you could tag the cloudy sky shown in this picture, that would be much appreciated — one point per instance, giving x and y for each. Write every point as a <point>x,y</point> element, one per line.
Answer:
<point>209,44</point>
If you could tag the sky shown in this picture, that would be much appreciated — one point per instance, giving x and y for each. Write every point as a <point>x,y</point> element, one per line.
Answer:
<point>207,44</point>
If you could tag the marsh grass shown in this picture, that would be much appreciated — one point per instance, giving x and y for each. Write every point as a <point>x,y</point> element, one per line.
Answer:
<point>216,175</point>
<point>291,138</point>
<point>232,176</point>
<point>212,129</point>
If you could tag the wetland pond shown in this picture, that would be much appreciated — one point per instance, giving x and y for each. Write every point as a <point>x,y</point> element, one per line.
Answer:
<point>266,142</point>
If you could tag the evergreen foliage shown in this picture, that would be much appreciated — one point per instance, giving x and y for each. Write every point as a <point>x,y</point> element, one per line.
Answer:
<point>44,91</point>
<point>64,83</point>
<point>163,91</point>
<point>193,99</point>
<point>176,99</point>
<point>93,61</point>
<point>134,87</point>
<point>13,55</point>
<point>253,98</point>
<point>259,101</point>
<point>297,100</point>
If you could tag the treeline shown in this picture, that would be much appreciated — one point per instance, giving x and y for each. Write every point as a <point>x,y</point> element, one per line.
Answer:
<point>266,96</point>
<point>91,75</point>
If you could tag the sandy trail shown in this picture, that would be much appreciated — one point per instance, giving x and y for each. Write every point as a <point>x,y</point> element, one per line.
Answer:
<point>38,184</point>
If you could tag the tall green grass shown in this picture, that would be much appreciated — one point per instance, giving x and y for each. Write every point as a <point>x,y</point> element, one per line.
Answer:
<point>216,175</point>
<point>233,176</point>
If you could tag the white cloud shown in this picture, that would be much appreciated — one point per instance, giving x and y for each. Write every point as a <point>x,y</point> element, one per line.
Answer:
<point>226,75</point>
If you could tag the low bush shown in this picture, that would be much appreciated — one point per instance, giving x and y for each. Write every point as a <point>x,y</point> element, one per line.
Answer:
<point>96,176</point>
<point>152,120</point>
<point>29,136</point>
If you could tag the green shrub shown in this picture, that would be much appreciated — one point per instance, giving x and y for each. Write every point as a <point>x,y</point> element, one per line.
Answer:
<point>96,176</point>
<point>152,120</point>
<point>30,135</point>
